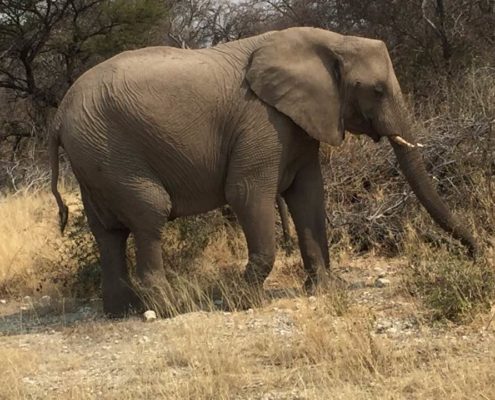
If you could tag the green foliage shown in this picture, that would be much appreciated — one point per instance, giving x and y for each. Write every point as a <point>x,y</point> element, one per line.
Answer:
<point>134,23</point>
<point>45,46</point>
<point>452,288</point>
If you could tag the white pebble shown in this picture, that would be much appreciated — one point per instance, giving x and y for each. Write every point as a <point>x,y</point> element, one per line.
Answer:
<point>149,316</point>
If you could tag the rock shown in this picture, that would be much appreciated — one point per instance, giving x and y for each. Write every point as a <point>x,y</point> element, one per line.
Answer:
<point>45,301</point>
<point>3,301</point>
<point>312,299</point>
<point>382,282</point>
<point>383,326</point>
<point>357,285</point>
<point>144,339</point>
<point>149,316</point>
<point>380,273</point>
<point>393,330</point>
<point>27,300</point>
<point>218,302</point>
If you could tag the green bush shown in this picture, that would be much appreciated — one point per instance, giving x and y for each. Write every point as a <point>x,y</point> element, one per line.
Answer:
<point>452,288</point>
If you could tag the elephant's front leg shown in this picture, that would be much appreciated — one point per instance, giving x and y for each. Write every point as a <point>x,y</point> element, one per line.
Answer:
<point>256,213</point>
<point>305,198</point>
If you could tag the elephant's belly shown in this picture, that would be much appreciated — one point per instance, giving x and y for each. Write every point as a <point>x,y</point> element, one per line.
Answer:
<point>193,189</point>
<point>184,204</point>
<point>193,175</point>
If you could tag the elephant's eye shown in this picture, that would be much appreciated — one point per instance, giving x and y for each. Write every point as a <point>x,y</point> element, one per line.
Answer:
<point>379,91</point>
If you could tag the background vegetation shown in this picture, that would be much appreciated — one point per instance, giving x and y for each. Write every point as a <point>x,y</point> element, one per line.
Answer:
<point>443,51</point>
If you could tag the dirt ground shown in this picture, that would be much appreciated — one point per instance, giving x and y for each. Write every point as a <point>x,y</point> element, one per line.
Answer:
<point>378,345</point>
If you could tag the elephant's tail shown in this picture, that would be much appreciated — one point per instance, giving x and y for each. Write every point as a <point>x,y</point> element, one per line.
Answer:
<point>53,145</point>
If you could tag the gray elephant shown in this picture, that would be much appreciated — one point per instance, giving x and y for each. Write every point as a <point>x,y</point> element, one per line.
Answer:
<point>160,133</point>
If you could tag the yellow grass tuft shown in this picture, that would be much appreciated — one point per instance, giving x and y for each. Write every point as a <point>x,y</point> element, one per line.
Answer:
<point>26,232</point>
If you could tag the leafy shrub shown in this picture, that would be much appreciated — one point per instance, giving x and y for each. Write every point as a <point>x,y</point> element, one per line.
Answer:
<point>452,288</point>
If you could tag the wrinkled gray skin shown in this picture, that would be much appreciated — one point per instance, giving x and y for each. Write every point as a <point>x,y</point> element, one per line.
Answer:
<point>161,133</point>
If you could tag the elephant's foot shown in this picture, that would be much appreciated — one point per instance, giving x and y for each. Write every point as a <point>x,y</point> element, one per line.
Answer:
<point>252,293</point>
<point>322,280</point>
<point>257,271</point>
<point>158,294</point>
<point>121,302</point>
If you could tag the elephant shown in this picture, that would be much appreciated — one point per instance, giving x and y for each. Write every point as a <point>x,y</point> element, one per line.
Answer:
<point>283,212</point>
<point>158,133</point>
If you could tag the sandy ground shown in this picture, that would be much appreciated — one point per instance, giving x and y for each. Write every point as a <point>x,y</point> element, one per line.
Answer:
<point>294,347</point>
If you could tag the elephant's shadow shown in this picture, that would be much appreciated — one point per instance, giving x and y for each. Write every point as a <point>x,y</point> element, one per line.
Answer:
<point>20,318</point>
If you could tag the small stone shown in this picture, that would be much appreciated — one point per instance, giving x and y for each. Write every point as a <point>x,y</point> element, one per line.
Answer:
<point>312,299</point>
<point>3,301</point>
<point>392,330</point>
<point>383,326</point>
<point>46,301</point>
<point>149,316</point>
<point>250,311</point>
<point>382,282</point>
<point>380,273</point>
<point>357,285</point>
<point>144,339</point>
<point>28,381</point>
<point>27,300</point>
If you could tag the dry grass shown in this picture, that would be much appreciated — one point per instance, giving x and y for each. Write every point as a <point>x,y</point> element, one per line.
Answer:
<point>293,349</point>
<point>15,365</point>
<point>25,233</point>
<point>34,257</point>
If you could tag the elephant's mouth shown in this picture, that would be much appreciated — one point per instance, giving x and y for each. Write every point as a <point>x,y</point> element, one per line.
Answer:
<point>374,136</point>
<point>359,124</point>
<point>365,127</point>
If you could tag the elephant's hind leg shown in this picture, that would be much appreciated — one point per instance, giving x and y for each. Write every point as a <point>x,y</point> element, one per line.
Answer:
<point>147,210</point>
<point>118,295</point>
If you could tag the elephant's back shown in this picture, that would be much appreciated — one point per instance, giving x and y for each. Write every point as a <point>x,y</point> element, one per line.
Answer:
<point>157,108</point>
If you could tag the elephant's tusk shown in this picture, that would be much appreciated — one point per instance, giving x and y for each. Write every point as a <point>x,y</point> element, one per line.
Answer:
<point>403,142</point>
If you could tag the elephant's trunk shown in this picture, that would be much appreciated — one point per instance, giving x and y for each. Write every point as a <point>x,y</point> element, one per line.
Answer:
<point>412,165</point>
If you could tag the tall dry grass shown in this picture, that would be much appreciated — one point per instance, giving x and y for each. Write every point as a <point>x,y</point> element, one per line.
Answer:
<point>25,233</point>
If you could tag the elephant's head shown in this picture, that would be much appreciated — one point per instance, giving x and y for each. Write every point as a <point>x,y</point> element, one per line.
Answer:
<point>328,83</point>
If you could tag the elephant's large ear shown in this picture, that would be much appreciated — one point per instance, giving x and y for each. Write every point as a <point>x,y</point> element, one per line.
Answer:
<point>301,77</point>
